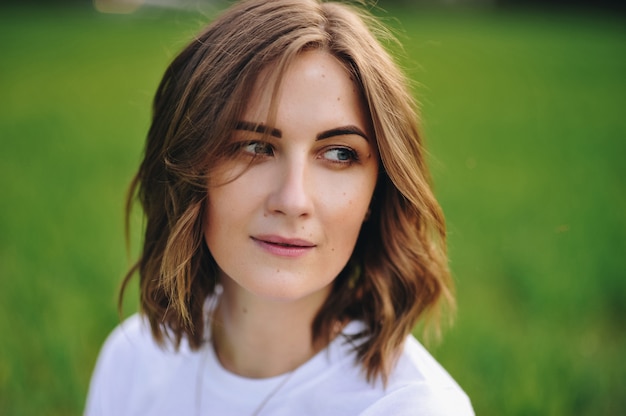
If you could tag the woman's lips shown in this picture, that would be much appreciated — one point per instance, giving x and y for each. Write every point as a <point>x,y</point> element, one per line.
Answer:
<point>284,247</point>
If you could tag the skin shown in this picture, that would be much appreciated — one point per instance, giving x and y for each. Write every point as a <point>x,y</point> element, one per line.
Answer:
<point>284,213</point>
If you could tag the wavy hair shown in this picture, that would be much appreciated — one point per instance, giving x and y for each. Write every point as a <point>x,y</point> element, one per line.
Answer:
<point>398,271</point>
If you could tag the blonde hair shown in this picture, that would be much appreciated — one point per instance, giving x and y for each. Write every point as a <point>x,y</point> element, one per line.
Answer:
<point>398,271</point>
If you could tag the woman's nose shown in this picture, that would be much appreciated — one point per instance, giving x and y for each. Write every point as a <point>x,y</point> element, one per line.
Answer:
<point>292,193</point>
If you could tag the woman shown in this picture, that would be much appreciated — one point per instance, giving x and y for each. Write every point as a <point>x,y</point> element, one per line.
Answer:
<point>292,239</point>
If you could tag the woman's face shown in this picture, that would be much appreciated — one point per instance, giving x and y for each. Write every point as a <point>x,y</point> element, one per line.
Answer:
<point>284,212</point>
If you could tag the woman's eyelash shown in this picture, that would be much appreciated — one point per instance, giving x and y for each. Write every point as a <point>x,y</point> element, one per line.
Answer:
<point>340,155</point>
<point>257,148</point>
<point>344,155</point>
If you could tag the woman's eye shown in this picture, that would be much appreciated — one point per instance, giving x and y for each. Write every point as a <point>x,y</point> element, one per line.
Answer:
<point>341,155</point>
<point>258,149</point>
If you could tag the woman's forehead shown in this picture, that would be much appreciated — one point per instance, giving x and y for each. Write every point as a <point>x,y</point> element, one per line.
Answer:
<point>275,81</point>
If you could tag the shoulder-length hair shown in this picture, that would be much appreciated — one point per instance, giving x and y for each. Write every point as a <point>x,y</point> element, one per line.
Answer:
<point>398,271</point>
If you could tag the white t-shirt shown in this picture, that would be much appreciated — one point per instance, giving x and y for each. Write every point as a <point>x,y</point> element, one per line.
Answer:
<point>134,376</point>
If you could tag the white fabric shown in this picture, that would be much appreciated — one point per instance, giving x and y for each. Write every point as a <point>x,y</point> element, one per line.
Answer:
<point>134,376</point>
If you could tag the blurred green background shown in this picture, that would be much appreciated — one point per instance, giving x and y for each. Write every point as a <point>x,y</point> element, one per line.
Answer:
<point>524,114</point>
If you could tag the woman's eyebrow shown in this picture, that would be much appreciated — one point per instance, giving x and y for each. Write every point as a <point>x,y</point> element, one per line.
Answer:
<point>342,131</point>
<point>258,128</point>
<point>263,129</point>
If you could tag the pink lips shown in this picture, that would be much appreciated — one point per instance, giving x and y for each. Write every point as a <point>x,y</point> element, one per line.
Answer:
<point>284,247</point>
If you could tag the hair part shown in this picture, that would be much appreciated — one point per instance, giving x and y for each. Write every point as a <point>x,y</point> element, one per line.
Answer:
<point>398,271</point>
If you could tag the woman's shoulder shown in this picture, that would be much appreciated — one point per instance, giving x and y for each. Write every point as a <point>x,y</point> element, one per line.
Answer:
<point>129,365</point>
<point>416,398</point>
<point>131,348</point>
<point>128,334</point>
<point>132,340</point>
<point>419,385</point>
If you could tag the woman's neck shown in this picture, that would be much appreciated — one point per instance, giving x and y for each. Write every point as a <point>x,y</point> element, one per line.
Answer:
<point>260,338</point>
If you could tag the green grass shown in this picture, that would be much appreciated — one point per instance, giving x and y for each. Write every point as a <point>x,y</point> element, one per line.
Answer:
<point>524,117</point>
